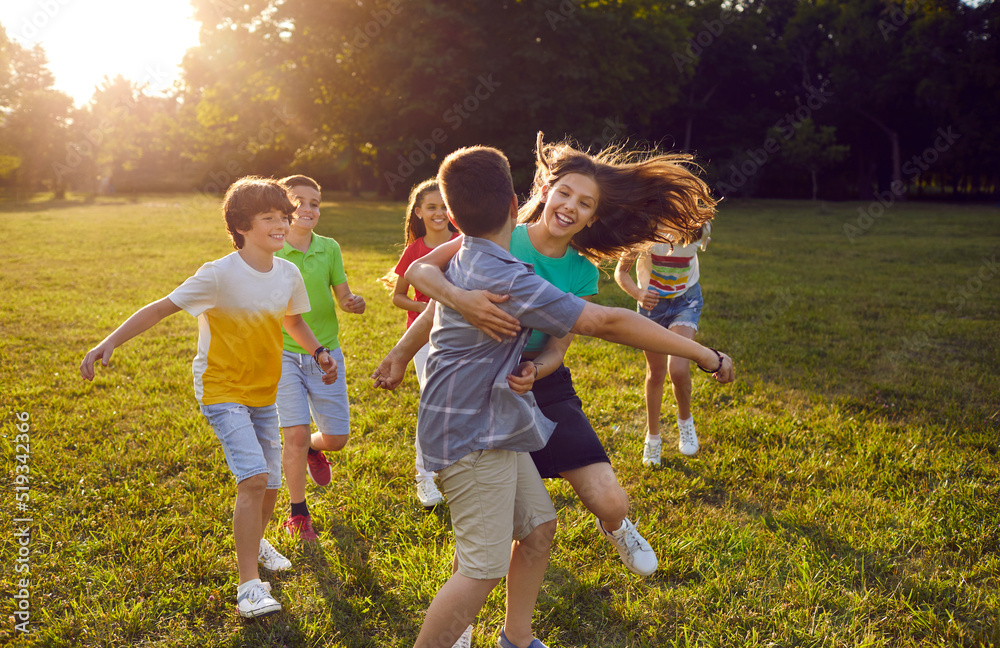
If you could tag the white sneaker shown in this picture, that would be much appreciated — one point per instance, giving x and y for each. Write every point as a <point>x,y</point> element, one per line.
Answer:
<point>269,557</point>
<point>688,442</point>
<point>465,641</point>
<point>428,493</point>
<point>651,451</point>
<point>256,600</point>
<point>636,553</point>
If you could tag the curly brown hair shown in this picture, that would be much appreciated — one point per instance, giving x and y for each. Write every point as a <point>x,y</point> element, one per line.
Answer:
<point>249,196</point>
<point>643,195</point>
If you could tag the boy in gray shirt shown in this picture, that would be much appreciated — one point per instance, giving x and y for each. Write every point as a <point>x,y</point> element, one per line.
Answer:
<point>477,420</point>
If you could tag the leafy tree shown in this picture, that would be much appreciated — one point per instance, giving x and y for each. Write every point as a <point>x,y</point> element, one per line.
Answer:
<point>33,119</point>
<point>812,149</point>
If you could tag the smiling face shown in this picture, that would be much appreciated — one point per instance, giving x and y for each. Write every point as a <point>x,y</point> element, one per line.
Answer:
<point>570,205</point>
<point>306,200</point>
<point>267,231</point>
<point>432,212</point>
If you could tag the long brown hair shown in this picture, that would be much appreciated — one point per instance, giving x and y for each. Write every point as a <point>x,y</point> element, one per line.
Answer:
<point>414,227</point>
<point>642,195</point>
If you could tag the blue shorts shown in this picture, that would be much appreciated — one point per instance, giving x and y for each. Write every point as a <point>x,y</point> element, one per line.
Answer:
<point>684,310</point>
<point>301,392</point>
<point>250,439</point>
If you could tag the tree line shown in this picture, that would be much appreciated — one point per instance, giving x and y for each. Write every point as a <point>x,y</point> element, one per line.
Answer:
<point>777,98</point>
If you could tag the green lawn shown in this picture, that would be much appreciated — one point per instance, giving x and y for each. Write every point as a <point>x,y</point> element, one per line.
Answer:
<point>847,492</point>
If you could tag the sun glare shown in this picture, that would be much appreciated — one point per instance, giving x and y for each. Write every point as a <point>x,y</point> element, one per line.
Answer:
<point>86,40</point>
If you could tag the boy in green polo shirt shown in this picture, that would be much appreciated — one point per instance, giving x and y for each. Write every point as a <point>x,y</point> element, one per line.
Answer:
<point>301,389</point>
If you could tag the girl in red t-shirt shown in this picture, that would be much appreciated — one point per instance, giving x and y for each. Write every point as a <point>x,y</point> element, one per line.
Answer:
<point>426,226</point>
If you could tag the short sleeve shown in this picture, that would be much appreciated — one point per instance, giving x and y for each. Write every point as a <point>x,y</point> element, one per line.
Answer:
<point>587,280</point>
<point>539,305</point>
<point>409,256</point>
<point>298,303</point>
<point>337,274</point>
<point>198,293</point>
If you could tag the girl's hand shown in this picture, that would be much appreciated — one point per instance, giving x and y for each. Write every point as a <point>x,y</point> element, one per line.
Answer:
<point>389,373</point>
<point>649,299</point>
<point>523,377</point>
<point>478,307</point>
<point>329,367</point>
<point>727,371</point>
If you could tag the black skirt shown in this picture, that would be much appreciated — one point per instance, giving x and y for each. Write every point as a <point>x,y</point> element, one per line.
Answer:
<point>574,443</point>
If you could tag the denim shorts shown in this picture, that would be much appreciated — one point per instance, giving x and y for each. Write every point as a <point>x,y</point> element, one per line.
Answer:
<point>250,439</point>
<point>682,310</point>
<point>301,392</point>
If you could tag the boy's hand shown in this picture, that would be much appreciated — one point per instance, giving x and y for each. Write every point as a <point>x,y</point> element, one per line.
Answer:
<point>102,351</point>
<point>354,304</point>
<point>329,367</point>
<point>727,372</point>
<point>478,307</point>
<point>390,372</point>
<point>649,299</point>
<point>522,378</point>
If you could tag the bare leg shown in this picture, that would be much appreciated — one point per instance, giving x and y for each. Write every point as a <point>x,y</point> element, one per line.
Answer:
<point>528,561</point>
<point>680,376</point>
<point>453,609</point>
<point>597,487</point>
<point>247,526</point>
<point>293,461</point>
<point>656,375</point>
<point>328,442</point>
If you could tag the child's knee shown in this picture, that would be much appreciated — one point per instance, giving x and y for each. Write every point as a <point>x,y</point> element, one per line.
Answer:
<point>656,373</point>
<point>297,436</point>
<point>543,534</point>
<point>253,486</point>
<point>331,442</point>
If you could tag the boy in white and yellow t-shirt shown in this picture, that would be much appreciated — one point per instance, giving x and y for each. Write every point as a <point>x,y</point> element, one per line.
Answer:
<point>241,301</point>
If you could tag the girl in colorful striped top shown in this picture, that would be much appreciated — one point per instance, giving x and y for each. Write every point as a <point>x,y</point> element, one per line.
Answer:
<point>668,293</point>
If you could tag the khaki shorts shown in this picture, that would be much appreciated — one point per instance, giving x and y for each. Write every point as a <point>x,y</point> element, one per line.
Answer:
<point>494,496</point>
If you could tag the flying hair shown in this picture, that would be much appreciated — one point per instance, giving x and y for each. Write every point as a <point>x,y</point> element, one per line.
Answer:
<point>644,197</point>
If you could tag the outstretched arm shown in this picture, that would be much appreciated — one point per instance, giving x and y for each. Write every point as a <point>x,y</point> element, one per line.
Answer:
<point>646,298</point>
<point>391,370</point>
<point>303,335</point>
<point>632,329</point>
<point>478,307</point>
<point>140,321</point>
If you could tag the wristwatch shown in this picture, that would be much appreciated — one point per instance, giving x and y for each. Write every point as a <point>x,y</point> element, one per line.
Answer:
<point>318,351</point>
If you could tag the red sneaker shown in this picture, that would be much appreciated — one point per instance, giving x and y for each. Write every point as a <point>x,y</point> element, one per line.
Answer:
<point>302,526</point>
<point>319,468</point>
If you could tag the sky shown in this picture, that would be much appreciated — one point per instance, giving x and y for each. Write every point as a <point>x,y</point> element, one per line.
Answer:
<point>86,40</point>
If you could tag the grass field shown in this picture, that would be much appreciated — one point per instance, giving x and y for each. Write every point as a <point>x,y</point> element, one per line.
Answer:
<point>847,492</point>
